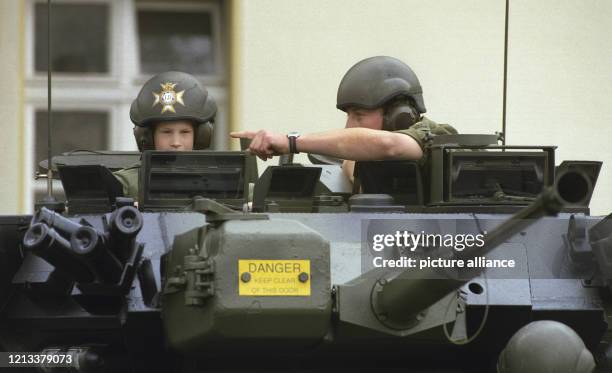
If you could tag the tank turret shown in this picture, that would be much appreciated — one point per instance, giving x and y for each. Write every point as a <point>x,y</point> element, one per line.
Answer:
<point>191,276</point>
<point>399,298</point>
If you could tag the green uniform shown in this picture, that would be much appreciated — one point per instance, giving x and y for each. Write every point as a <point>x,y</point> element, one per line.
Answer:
<point>421,130</point>
<point>129,179</point>
<point>426,127</point>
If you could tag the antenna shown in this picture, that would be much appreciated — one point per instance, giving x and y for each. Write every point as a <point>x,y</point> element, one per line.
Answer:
<point>49,200</point>
<point>504,135</point>
<point>49,163</point>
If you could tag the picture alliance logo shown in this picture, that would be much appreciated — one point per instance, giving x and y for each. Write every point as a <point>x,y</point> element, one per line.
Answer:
<point>410,240</point>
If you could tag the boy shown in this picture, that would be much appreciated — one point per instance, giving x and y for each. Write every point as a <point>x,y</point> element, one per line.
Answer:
<point>171,112</point>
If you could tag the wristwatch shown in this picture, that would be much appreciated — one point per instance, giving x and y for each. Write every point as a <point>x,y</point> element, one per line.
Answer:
<point>292,136</point>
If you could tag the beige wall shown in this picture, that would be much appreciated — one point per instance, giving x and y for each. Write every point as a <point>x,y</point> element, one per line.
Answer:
<point>11,107</point>
<point>290,56</point>
<point>560,90</point>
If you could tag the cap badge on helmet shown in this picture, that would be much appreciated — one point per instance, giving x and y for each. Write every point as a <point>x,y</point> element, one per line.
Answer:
<point>168,97</point>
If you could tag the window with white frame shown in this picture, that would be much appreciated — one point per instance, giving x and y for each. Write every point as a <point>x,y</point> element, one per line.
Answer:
<point>189,48</point>
<point>79,38</point>
<point>102,51</point>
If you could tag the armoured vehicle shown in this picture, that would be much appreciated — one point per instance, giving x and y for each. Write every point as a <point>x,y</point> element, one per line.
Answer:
<point>204,275</point>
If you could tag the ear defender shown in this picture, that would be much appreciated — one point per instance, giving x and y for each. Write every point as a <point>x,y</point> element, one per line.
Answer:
<point>400,116</point>
<point>203,136</point>
<point>144,138</point>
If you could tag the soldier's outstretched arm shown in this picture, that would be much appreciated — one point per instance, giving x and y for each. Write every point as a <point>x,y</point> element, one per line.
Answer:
<point>358,144</point>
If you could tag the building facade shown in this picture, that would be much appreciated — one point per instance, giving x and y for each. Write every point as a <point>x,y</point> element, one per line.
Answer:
<point>276,64</point>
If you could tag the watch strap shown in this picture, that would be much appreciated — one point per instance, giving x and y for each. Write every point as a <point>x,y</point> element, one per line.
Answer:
<point>293,144</point>
<point>292,137</point>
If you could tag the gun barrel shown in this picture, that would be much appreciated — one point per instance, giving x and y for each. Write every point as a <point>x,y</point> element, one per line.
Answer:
<point>56,221</point>
<point>402,296</point>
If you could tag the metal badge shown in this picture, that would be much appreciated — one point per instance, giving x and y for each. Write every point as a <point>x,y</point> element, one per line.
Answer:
<point>168,97</point>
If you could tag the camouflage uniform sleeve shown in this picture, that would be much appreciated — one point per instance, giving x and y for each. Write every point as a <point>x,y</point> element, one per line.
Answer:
<point>421,130</point>
<point>128,177</point>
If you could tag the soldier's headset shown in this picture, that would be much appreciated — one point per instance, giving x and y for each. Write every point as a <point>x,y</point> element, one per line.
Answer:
<point>202,136</point>
<point>400,114</point>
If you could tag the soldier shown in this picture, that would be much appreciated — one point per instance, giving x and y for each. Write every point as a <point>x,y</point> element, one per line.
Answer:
<point>171,112</point>
<point>383,100</point>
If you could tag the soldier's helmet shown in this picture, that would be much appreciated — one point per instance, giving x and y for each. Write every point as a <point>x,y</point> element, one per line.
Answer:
<point>376,82</point>
<point>545,346</point>
<point>171,96</point>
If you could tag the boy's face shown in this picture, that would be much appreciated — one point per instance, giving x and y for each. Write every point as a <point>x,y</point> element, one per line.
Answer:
<point>366,118</point>
<point>176,135</point>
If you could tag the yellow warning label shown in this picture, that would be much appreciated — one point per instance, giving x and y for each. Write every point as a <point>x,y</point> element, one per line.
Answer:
<point>274,278</point>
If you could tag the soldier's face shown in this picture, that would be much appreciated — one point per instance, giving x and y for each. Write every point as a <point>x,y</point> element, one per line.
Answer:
<point>366,118</point>
<point>176,135</point>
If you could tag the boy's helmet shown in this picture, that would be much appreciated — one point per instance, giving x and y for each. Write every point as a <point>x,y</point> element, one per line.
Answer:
<point>171,96</point>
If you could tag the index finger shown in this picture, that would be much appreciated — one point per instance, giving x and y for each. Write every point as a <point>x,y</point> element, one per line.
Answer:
<point>243,134</point>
